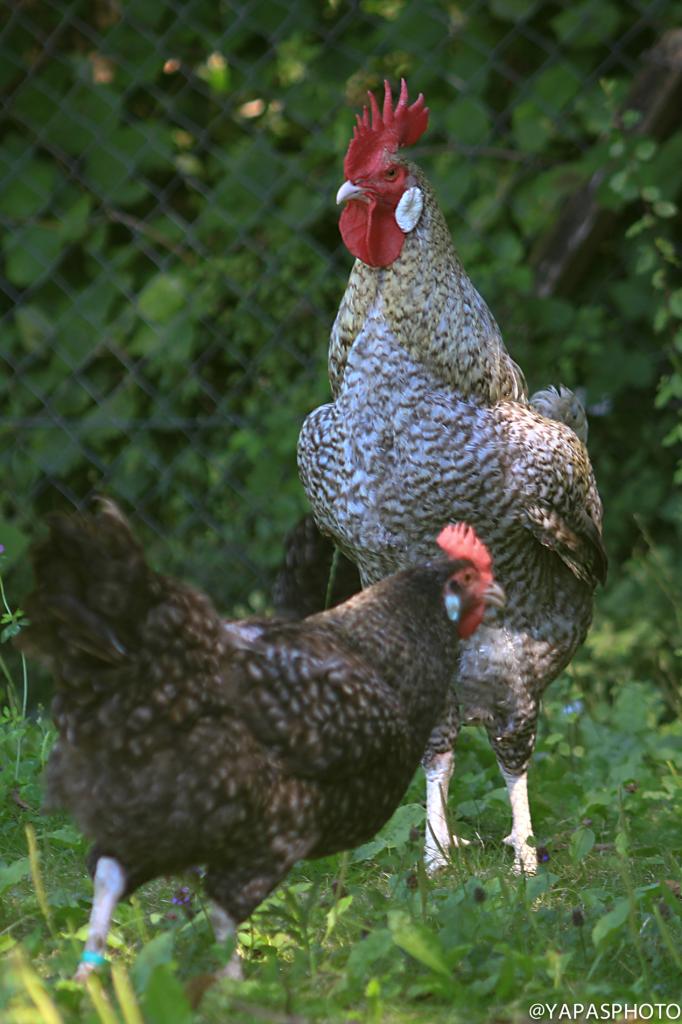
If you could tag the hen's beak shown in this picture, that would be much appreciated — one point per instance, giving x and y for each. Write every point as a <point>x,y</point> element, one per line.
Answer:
<point>348,191</point>
<point>495,595</point>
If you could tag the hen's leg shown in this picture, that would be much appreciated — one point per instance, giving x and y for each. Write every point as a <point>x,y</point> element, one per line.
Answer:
<point>236,890</point>
<point>110,884</point>
<point>513,751</point>
<point>439,763</point>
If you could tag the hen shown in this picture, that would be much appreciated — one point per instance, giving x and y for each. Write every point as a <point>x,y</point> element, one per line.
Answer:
<point>430,422</point>
<point>242,746</point>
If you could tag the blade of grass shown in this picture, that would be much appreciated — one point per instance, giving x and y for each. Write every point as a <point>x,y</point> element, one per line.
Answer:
<point>36,875</point>
<point>49,1014</point>
<point>668,940</point>
<point>125,995</point>
<point>100,1001</point>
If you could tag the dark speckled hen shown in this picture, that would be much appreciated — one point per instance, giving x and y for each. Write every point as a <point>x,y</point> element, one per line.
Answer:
<point>244,746</point>
<point>431,422</point>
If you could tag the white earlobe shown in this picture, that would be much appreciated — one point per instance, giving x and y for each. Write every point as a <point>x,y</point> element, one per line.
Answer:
<point>409,209</point>
<point>452,607</point>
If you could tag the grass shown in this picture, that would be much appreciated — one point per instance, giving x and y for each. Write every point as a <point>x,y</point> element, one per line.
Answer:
<point>366,936</point>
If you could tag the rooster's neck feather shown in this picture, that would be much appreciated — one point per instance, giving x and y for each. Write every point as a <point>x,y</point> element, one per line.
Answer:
<point>432,309</point>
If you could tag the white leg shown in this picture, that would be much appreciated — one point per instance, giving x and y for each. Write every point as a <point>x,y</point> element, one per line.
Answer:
<point>438,836</point>
<point>525,857</point>
<point>224,928</point>
<point>110,883</point>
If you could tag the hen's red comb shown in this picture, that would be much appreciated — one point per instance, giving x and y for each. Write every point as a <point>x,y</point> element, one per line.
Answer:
<point>384,130</point>
<point>460,541</point>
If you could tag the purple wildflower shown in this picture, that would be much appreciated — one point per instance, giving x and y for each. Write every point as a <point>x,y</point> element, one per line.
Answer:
<point>543,854</point>
<point>183,897</point>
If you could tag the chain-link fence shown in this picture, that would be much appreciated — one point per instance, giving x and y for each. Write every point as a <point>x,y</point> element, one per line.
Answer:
<point>171,262</point>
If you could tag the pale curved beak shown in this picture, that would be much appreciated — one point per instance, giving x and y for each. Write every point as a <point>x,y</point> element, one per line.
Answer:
<point>495,595</point>
<point>348,191</point>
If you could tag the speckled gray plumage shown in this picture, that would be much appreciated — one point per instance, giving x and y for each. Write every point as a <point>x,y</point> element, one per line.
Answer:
<point>430,424</point>
<point>244,746</point>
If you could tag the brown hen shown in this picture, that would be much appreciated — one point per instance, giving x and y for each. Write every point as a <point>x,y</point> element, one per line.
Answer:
<point>242,746</point>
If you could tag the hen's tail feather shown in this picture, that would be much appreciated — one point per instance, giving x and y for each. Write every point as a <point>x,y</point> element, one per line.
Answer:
<point>91,582</point>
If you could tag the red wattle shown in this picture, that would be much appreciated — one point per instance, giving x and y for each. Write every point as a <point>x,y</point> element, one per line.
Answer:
<point>471,621</point>
<point>370,233</point>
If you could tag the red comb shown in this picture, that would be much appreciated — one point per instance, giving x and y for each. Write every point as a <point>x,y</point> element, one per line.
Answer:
<point>460,541</point>
<point>385,130</point>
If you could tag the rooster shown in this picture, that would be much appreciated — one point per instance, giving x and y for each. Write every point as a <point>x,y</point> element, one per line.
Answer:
<point>431,421</point>
<point>242,746</point>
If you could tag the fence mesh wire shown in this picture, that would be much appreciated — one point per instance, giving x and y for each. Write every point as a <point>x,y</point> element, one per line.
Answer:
<point>170,257</point>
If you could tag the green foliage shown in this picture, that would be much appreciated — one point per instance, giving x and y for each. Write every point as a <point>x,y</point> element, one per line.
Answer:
<point>173,263</point>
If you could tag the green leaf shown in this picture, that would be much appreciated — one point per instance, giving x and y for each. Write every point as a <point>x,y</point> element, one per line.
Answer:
<point>157,952</point>
<point>513,10</point>
<point>645,150</point>
<point>419,942</point>
<point>164,1000</point>
<point>333,915</point>
<point>29,192</point>
<point>66,836</point>
<point>622,844</point>
<point>162,297</point>
<point>665,209</point>
<point>74,222</point>
<point>31,253</point>
<point>651,194</point>
<point>378,943</point>
<point>582,841</point>
<point>675,303</point>
<point>532,129</point>
<point>612,922</point>
<point>467,120</point>
<point>580,26</point>
<point>13,629</point>
<point>556,87</point>
<point>14,542</point>
<point>34,328</point>
<point>395,833</point>
<point>12,873</point>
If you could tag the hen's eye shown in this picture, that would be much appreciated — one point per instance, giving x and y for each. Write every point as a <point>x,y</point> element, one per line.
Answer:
<point>391,173</point>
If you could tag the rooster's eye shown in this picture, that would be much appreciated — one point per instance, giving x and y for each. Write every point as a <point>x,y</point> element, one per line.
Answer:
<point>391,173</point>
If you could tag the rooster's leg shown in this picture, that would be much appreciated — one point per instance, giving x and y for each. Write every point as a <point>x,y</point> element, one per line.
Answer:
<point>439,763</point>
<point>525,857</point>
<point>513,746</point>
<point>110,884</point>
<point>438,773</point>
